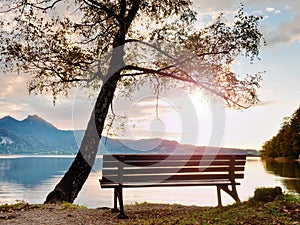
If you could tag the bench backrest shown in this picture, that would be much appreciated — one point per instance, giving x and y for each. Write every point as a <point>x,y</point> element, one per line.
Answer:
<point>150,169</point>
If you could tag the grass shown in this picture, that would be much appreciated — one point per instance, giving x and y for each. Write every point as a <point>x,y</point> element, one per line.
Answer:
<point>284,210</point>
<point>19,206</point>
<point>73,206</point>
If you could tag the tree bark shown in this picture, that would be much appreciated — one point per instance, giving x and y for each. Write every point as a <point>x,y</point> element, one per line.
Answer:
<point>71,183</point>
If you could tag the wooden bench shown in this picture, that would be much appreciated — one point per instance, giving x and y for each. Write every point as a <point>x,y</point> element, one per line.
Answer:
<point>132,171</point>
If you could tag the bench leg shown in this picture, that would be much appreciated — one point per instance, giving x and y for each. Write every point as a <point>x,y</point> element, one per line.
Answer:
<point>232,193</point>
<point>115,209</point>
<point>235,194</point>
<point>219,196</point>
<point>120,197</point>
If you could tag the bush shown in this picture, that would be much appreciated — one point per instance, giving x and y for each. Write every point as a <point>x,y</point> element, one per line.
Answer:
<point>266,195</point>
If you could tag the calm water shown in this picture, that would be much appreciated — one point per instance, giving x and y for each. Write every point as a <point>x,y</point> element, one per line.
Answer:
<point>31,178</point>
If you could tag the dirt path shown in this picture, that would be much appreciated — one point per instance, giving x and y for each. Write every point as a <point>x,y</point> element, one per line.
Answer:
<point>71,214</point>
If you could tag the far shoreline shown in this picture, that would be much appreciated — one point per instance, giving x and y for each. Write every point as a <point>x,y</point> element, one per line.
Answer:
<point>280,159</point>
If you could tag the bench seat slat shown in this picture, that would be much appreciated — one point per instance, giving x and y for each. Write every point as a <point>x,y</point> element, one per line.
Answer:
<point>171,184</point>
<point>151,170</point>
<point>161,177</point>
<point>112,164</point>
<point>172,157</point>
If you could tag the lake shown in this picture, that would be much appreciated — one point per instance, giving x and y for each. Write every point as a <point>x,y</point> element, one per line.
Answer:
<point>31,178</point>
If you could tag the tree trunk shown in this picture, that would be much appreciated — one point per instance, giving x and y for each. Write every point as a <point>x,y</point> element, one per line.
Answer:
<point>71,183</point>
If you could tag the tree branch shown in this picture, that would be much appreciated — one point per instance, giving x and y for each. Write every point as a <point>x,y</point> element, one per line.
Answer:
<point>12,8</point>
<point>187,79</point>
<point>34,5</point>
<point>132,13</point>
<point>169,56</point>
<point>150,45</point>
<point>104,8</point>
<point>123,9</point>
<point>44,8</point>
<point>159,72</point>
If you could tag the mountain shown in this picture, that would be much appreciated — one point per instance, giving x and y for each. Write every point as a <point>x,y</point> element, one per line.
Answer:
<point>34,135</point>
<point>152,146</point>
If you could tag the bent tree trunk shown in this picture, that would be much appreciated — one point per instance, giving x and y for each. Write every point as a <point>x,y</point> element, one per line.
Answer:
<point>71,183</point>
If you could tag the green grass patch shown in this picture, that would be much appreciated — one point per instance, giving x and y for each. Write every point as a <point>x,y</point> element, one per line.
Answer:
<point>71,205</point>
<point>284,210</point>
<point>19,206</point>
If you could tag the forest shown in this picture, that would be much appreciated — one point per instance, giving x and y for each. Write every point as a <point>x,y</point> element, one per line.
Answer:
<point>286,143</point>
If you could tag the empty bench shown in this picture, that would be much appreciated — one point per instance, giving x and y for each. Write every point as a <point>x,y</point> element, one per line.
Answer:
<point>133,171</point>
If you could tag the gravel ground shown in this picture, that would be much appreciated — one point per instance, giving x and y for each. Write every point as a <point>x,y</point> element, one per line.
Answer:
<point>26,214</point>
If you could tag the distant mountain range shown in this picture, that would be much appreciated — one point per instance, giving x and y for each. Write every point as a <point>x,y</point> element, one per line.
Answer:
<point>34,135</point>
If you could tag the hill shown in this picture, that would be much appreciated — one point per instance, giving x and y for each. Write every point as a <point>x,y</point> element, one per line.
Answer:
<point>34,135</point>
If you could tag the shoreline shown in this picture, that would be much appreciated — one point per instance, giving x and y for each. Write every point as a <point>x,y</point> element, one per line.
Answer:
<point>280,159</point>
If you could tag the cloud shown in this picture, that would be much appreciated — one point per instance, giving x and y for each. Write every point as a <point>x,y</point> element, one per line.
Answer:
<point>275,11</point>
<point>13,95</point>
<point>283,27</point>
<point>16,101</point>
<point>269,9</point>
<point>215,5</point>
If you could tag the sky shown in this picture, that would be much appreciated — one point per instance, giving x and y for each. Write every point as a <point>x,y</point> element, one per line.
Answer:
<point>192,118</point>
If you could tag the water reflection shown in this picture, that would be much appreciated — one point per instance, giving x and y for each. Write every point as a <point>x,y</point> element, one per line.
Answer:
<point>290,171</point>
<point>32,171</point>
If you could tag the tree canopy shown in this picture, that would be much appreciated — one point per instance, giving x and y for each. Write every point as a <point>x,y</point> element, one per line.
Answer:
<point>286,143</point>
<point>60,43</point>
